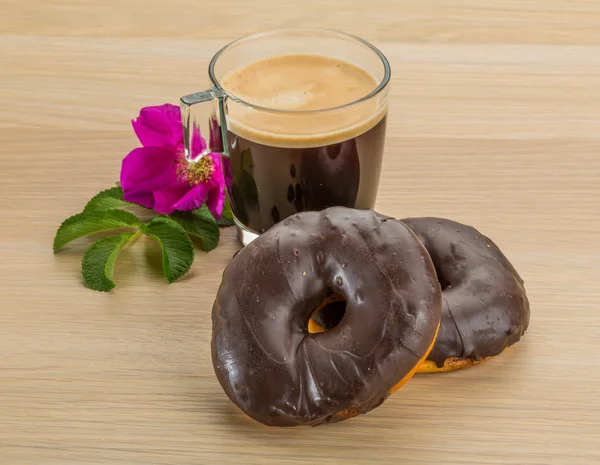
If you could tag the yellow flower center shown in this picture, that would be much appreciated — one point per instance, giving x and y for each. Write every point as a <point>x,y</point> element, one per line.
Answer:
<point>197,171</point>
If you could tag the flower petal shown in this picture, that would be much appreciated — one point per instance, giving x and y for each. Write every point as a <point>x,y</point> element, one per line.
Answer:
<point>193,199</point>
<point>150,173</point>
<point>226,168</point>
<point>145,199</point>
<point>159,126</point>
<point>217,174</point>
<point>198,142</point>
<point>148,168</point>
<point>216,201</point>
<point>166,200</point>
<point>216,195</point>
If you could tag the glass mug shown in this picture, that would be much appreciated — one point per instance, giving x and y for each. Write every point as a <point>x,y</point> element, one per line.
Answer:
<point>279,161</point>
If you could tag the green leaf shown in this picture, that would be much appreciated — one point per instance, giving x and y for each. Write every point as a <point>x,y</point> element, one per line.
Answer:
<point>107,200</point>
<point>99,261</point>
<point>176,246</point>
<point>227,215</point>
<point>90,222</point>
<point>199,223</point>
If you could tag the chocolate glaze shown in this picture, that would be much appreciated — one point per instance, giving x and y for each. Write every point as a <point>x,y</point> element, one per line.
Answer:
<point>485,306</point>
<point>264,357</point>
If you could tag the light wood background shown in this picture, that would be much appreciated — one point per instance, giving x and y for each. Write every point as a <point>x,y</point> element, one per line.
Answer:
<point>494,121</point>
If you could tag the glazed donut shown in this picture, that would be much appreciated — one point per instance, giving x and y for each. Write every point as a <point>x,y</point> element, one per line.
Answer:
<point>265,359</point>
<point>485,305</point>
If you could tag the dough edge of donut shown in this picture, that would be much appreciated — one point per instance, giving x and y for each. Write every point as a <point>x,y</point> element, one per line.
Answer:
<point>352,412</point>
<point>450,364</point>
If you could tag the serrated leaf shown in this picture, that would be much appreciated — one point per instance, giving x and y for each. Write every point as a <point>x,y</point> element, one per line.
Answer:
<point>98,262</point>
<point>176,246</point>
<point>199,223</point>
<point>90,222</point>
<point>227,215</point>
<point>107,200</point>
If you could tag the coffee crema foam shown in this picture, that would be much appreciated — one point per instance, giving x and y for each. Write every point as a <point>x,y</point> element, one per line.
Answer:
<point>297,87</point>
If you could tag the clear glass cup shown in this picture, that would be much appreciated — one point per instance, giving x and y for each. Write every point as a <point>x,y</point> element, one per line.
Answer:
<point>327,157</point>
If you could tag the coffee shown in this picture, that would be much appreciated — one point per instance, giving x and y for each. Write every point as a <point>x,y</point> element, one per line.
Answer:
<point>303,156</point>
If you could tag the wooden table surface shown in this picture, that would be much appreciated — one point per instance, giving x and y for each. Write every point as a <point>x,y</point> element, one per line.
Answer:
<point>494,121</point>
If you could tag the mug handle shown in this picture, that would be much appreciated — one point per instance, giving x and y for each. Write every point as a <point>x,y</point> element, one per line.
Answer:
<point>190,119</point>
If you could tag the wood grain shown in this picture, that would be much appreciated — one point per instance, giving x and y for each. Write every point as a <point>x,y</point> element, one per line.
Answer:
<point>494,118</point>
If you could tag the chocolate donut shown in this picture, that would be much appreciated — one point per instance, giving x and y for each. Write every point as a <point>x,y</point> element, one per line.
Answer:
<point>263,355</point>
<point>485,306</point>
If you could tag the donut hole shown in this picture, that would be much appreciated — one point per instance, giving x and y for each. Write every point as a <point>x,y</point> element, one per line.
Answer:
<point>443,280</point>
<point>327,315</point>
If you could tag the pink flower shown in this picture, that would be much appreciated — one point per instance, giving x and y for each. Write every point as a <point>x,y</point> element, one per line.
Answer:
<point>158,175</point>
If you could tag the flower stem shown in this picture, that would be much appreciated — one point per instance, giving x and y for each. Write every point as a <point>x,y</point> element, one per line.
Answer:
<point>134,238</point>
